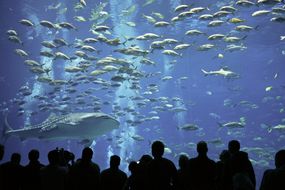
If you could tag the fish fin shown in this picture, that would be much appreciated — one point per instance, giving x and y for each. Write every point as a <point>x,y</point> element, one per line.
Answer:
<point>124,43</point>
<point>220,124</point>
<point>269,129</point>
<point>243,38</point>
<point>256,28</point>
<point>205,72</point>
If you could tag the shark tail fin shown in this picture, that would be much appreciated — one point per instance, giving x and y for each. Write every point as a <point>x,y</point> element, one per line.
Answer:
<point>269,128</point>
<point>242,120</point>
<point>205,72</point>
<point>220,124</point>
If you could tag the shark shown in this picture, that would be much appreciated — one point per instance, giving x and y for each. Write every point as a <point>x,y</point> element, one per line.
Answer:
<point>80,126</point>
<point>223,72</point>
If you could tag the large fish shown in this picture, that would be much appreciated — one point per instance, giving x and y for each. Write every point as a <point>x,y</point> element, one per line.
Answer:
<point>81,126</point>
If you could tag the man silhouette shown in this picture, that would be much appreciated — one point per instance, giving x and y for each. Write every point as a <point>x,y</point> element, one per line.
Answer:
<point>202,170</point>
<point>113,178</point>
<point>161,172</point>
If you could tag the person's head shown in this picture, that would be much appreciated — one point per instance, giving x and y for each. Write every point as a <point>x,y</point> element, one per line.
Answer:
<point>225,156</point>
<point>15,158</point>
<point>157,149</point>
<point>183,161</point>
<point>34,155</point>
<point>280,158</point>
<point>233,146</point>
<point>115,161</point>
<point>87,154</point>
<point>133,166</point>
<point>145,159</point>
<point>2,150</point>
<point>54,157</point>
<point>202,148</point>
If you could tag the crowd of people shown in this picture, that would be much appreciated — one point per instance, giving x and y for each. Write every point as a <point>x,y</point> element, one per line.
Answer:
<point>233,171</point>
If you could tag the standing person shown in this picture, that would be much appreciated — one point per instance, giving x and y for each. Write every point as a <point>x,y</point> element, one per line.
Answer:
<point>31,177</point>
<point>132,182</point>
<point>221,166</point>
<point>182,174</point>
<point>84,174</point>
<point>53,176</point>
<point>236,156</point>
<point>274,179</point>
<point>113,178</point>
<point>202,170</point>
<point>161,172</point>
<point>12,173</point>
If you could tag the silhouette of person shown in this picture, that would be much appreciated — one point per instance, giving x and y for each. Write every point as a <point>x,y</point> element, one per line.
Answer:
<point>182,173</point>
<point>142,172</point>
<point>161,172</point>
<point>202,170</point>
<point>84,174</point>
<point>132,181</point>
<point>113,178</point>
<point>236,156</point>
<point>221,167</point>
<point>241,179</point>
<point>274,179</point>
<point>12,173</point>
<point>53,176</point>
<point>31,178</point>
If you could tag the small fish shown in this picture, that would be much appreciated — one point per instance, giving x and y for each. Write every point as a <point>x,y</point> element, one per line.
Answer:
<point>26,22</point>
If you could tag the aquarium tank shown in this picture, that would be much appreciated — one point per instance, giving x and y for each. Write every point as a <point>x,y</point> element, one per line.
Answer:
<point>117,75</point>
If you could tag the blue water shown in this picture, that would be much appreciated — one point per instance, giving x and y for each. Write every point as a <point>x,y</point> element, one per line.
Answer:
<point>259,66</point>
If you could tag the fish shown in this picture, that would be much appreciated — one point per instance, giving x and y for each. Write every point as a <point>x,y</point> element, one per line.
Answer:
<point>223,72</point>
<point>21,53</point>
<point>180,8</point>
<point>216,36</point>
<point>67,25</point>
<point>79,18</point>
<point>15,39</point>
<point>26,22</point>
<point>80,126</point>
<point>279,127</point>
<point>245,3</point>
<point>188,127</point>
<point>48,24</point>
<point>260,13</point>
<point>215,23</point>
<point>12,33</point>
<point>171,52</point>
<point>234,124</point>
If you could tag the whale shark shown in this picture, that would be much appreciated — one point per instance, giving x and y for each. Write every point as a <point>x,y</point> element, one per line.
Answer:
<point>81,126</point>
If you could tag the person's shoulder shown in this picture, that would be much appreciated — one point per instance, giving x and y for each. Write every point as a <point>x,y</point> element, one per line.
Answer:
<point>212,161</point>
<point>243,153</point>
<point>122,173</point>
<point>105,171</point>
